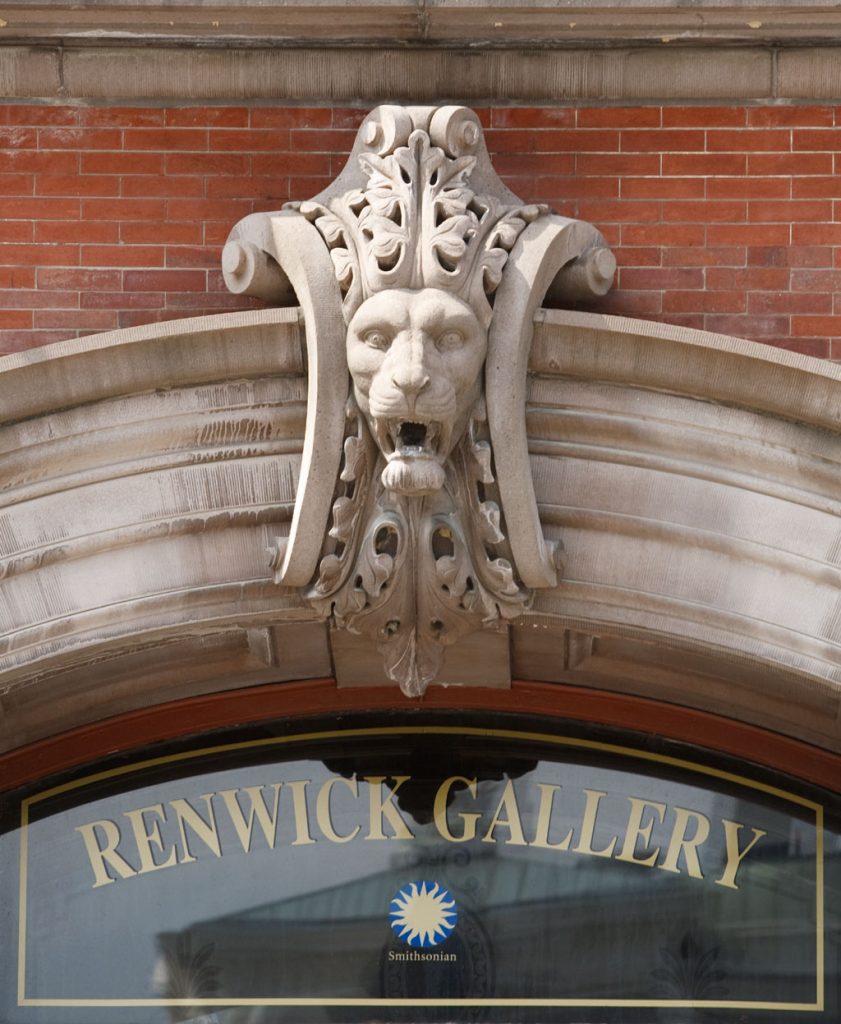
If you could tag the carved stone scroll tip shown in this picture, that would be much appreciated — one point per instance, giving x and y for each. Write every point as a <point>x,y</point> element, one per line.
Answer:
<point>249,270</point>
<point>276,557</point>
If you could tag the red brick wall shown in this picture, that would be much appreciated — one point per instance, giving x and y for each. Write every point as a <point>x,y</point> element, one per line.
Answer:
<point>722,218</point>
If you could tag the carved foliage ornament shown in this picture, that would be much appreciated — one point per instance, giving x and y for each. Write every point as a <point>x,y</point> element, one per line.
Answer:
<point>419,274</point>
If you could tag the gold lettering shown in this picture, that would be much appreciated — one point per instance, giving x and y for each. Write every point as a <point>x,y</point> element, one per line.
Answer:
<point>147,838</point>
<point>511,821</point>
<point>245,827</point>
<point>440,811</point>
<point>302,821</point>
<point>186,814</point>
<point>636,830</point>
<point>679,841</point>
<point>588,826</point>
<point>322,809</point>
<point>385,809</point>
<point>734,857</point>
<point>544,818</point>
<point>100,855</point>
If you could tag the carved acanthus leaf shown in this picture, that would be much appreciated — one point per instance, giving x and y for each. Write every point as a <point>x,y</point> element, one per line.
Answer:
<point>344,515</point>
<point>481,452</point>
<point>372,571</point>
<point>416,580</point>
<point>413,661</point>
<point>505,586</point>
<point>418,224</point>
<point>489,519</point>
<point>329,577</point>
<point>345,266</point>
<point>348,513</point>
<point>355,455</point>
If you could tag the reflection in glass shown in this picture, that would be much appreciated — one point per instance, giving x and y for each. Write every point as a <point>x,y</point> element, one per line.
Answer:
<point>588,883</point>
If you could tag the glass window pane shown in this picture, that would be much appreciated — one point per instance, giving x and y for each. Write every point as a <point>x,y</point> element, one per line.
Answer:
<point>421,873</point>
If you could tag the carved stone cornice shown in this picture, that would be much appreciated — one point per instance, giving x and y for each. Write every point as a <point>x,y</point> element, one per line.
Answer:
<point>761,66</point>
<point>492,23</point>
<point>420,273</point>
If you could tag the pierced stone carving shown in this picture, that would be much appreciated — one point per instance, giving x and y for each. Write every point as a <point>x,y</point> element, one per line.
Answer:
<point>415,572</point>
<point>419,273</point>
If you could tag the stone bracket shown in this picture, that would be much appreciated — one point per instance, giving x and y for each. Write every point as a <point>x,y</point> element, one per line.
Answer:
<point>419,274</point>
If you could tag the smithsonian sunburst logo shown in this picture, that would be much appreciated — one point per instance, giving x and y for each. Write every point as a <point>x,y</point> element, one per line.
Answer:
<point>423,914</point>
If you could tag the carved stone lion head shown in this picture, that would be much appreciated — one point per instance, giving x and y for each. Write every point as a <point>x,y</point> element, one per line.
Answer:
<point>421,273</point>
<point>416,358</point>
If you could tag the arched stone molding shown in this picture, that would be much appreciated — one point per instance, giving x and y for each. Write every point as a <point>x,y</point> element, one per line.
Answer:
<point>693,478</point>
<point>144,473</point>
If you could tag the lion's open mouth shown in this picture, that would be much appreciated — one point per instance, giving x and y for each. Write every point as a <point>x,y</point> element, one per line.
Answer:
<point>411,435</point>
<point>409,438</point>
<point>414,454</point>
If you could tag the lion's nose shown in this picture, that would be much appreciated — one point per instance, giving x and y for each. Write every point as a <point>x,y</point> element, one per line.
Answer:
<point>409,372</point>
<point>411,384</point>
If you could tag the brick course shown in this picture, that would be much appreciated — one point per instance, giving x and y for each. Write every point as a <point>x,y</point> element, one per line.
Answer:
<point>722,218</point>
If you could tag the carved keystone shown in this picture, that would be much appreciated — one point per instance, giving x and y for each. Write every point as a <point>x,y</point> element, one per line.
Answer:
<point>419,275</point>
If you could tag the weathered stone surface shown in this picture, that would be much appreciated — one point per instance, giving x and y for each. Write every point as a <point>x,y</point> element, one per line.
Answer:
<point>692,476</point>
<point>465,22</point>
<point>437,270</point>
<point>811,74</point>
<point>477,660</point>
<point>142,477</point>
<point>156,73</point>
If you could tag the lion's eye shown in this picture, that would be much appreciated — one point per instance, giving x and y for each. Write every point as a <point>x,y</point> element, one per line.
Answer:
<point>449,339</point>
<point>376,339</point>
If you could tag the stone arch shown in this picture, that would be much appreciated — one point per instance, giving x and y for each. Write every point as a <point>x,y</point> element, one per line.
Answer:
<point>692,477</point>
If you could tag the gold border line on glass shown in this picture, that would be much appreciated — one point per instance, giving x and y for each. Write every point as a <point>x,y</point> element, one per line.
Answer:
<point>419,730</point>
<point>819,908</point>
